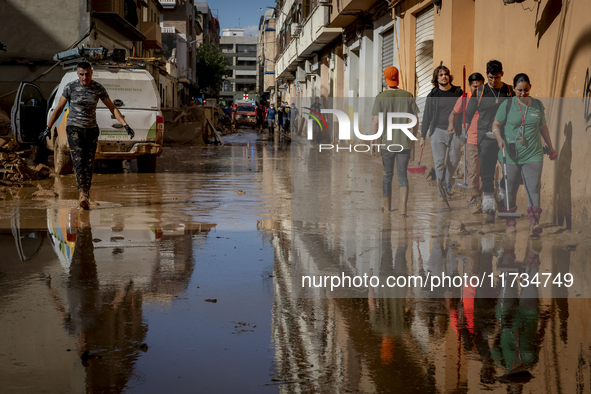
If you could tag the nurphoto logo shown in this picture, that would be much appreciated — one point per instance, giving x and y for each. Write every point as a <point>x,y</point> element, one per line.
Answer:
<point>345,129</point>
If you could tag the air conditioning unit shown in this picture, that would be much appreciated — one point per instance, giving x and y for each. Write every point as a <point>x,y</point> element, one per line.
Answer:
<point>313,64</point>
<point>296,29</point>
<point>326,3</point>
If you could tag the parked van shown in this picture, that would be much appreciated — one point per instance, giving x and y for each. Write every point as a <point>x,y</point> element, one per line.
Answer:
<point>134,93</point>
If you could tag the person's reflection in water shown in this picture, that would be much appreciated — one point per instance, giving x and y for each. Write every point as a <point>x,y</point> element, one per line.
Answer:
<point>520,325</point>
<point>387,314</point>
<point>105,320</point>
<point>83,285</point>
<point>484,313</point>
<point>398,362</point>
<point>441,260</point>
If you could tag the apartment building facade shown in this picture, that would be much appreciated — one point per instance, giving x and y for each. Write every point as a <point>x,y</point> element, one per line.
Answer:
<point>266,50</point>
<point>210,23</point>
<point>241,52</point>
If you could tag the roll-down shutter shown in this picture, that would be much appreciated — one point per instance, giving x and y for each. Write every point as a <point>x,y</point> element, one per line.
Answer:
<point>387,49</point>
<point>424,55</point>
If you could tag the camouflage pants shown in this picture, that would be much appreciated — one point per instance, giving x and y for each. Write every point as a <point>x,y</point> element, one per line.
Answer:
<point>82,143</point>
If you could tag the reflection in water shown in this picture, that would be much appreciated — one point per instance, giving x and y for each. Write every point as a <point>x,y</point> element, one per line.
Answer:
<point>105,320</point>
<point>468,339</point>
<point>120,258</point>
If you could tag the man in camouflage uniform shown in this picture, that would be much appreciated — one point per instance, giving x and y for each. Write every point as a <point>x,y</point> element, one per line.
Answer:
<point>82,129</point>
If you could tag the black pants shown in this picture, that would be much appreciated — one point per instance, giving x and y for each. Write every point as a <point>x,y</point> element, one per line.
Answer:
<point>488,151</point>
<point>83,143</point>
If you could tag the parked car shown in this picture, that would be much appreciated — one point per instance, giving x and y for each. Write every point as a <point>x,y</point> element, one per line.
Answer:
<point>133,91</point>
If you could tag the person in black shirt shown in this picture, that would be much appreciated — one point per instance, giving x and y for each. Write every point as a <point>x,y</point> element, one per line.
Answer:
<point>487,100</point>
<point>440,103</point>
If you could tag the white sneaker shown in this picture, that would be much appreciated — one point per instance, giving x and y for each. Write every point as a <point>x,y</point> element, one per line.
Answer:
<point>488,204</point>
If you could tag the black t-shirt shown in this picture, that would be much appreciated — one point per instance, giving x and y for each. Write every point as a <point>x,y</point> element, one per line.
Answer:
<point>446,101</point>
<point>487,101</point>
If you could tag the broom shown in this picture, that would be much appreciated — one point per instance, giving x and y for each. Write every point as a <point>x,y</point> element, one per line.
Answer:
<point>463,188</point>
<point>507,215</point>
<point>418,169</point>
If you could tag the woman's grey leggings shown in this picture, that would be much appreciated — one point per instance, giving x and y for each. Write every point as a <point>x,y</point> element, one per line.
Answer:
<point>388,159</point>
<point>532,172</point>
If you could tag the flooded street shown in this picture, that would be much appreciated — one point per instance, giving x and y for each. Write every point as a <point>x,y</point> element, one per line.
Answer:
<point>190,280</point>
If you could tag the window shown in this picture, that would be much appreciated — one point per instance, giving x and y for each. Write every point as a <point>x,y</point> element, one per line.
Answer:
<point>246,48</point>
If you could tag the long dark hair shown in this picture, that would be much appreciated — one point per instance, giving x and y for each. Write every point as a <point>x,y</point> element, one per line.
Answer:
<point>436,74</point>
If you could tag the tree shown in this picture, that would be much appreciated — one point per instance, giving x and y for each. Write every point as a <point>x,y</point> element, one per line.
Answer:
<point>212,67</point>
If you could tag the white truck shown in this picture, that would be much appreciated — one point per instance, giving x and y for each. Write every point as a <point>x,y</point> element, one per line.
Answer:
<point>133,91</point>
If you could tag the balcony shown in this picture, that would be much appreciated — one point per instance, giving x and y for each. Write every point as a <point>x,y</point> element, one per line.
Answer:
<point>153,34</point>
<point>313,37</point>
<point>168,30</point>
<point>109,6</point>
<point>119,24</point>
<point>168,3</point>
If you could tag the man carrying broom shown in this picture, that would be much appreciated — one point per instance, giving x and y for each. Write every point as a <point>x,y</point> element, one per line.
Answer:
<point>394,100</point>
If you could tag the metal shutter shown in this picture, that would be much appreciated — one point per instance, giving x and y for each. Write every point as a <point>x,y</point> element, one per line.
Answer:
<point>387,51</point>
<point>424,55</point>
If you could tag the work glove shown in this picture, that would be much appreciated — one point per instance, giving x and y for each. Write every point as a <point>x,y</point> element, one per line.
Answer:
<point>129,131</point>
<point>44,135</point>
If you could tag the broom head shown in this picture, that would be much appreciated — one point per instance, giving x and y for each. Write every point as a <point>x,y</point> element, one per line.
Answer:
<point>416,169</point>
<point>508,215</point>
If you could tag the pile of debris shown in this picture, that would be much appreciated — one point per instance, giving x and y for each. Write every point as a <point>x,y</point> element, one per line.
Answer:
<point>13,165</point>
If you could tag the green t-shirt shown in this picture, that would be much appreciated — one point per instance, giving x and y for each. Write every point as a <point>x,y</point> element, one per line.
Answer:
<point>534,119</point>
<point>396,100</point>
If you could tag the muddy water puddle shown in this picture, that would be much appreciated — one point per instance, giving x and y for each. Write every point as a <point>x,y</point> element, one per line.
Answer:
<point>189,280</point>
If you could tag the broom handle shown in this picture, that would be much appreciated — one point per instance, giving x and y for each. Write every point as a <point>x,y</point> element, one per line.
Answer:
<point>421,155</point>
<point>464,120</point>
<point>505,174</point>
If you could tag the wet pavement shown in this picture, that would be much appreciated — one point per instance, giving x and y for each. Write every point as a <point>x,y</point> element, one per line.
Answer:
<point>189,280</point>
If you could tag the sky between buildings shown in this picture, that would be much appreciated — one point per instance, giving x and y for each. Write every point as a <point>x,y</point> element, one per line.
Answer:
<point>248,11</point>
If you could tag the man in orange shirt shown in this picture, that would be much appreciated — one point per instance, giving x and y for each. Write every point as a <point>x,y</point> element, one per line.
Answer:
<point>470,140</point>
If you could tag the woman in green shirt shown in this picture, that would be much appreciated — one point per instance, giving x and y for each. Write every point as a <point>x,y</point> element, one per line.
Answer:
<point>525,126</point>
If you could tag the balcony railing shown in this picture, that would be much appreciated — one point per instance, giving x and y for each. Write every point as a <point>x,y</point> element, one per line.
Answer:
<point>168,3</point>
<point>168,30</point>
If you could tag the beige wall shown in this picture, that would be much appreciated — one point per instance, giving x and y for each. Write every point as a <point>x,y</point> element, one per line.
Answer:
<point>552,46</point>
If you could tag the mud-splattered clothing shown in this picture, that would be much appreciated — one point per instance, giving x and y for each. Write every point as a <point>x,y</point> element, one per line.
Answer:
<point>83,101</point>
<point>83,143</point>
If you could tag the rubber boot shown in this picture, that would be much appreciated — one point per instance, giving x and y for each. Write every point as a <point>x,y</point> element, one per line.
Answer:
<point>83,199</point>
<point>534,221</point>
<point>387,204</point>
<point>403,200</point>
<point>510,222</point>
